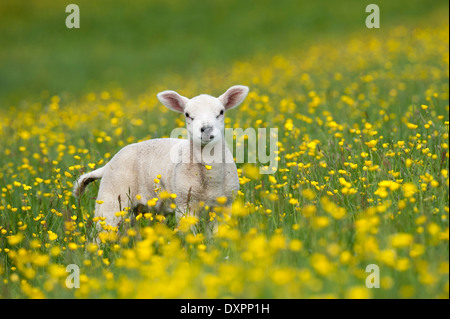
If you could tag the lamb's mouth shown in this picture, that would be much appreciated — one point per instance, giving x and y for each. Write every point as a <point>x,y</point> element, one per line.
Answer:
<point>208,140</point>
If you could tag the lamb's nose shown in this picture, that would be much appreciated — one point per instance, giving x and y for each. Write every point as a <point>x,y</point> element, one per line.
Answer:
<point>206,132</point>
<point>206,129</point>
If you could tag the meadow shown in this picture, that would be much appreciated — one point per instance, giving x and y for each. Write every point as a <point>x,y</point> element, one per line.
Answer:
<point>362,178</point>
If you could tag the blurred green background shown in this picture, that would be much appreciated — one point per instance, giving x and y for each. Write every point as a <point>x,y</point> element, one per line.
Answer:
<point>133,44</point>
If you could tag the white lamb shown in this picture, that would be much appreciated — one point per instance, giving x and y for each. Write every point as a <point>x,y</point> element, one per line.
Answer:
<point>181,164</point>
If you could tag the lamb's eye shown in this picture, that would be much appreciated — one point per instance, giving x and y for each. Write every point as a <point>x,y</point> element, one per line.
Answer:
<point>187,115</point>
<point>221,113</point>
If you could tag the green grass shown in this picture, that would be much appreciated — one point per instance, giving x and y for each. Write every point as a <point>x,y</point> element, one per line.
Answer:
<point>135,45</point>
<point>332,87</point>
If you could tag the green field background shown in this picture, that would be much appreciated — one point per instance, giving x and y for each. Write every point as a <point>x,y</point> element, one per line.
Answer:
<point>363,147</point>
<point>134,44</point>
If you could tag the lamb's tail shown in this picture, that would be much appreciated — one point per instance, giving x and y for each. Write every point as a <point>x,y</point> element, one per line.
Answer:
<point>85,179</point>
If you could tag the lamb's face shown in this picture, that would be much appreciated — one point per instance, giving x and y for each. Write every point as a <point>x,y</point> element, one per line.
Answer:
<point>204,113</point>
<point>204,119</point>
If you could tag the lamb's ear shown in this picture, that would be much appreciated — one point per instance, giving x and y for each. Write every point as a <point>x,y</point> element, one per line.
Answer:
<point>234,96</point>
<point>173,100</point>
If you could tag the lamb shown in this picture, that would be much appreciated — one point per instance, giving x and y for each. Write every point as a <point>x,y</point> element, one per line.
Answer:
<point>179,165</point>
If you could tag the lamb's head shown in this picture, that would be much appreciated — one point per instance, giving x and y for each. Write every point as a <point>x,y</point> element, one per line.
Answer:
<point>204,113</point>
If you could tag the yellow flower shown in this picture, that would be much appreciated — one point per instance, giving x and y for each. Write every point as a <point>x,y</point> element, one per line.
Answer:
<point>238,209</point>
<point>401,240</point>
<point>278,241</point>
<point>282,276</point>
<point>409,189</point>
<point>221,200</point>
<point>289,125</point>
<point>320,222</point>
<point>272,179</point>
<point>308,210</point>
<point>433,229</point>
<point>401,204</point>
<point>381,192</point>
<point>393,186</point>
<point>372,143</point>
<point>105,236</point>
<point>152,202</point>
<point>52,236</point>
<point>388,256</point>
<point>321,264</point>
<point>359,292</point>
<point>308,193</point>
<point>434,183</point>
<point>121,213</point>
<point>408,163</point>
<point>402,264</point>
<point>295,245</point>
<point>251,171</point>
<point>15,239</point>
<point>186,223</point>
<point>411,126</point>
<point>164,195</point>
<point>57,271</point>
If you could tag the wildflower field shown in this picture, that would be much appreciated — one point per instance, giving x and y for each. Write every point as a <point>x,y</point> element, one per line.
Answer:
<point>362,178</point>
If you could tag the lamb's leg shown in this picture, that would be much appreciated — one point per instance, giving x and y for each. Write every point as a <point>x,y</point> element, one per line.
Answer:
<point>212,228</point>
<point>184,210</point>
<point>213,225</point>
<point>106,208</point>
<point>109,202</point>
